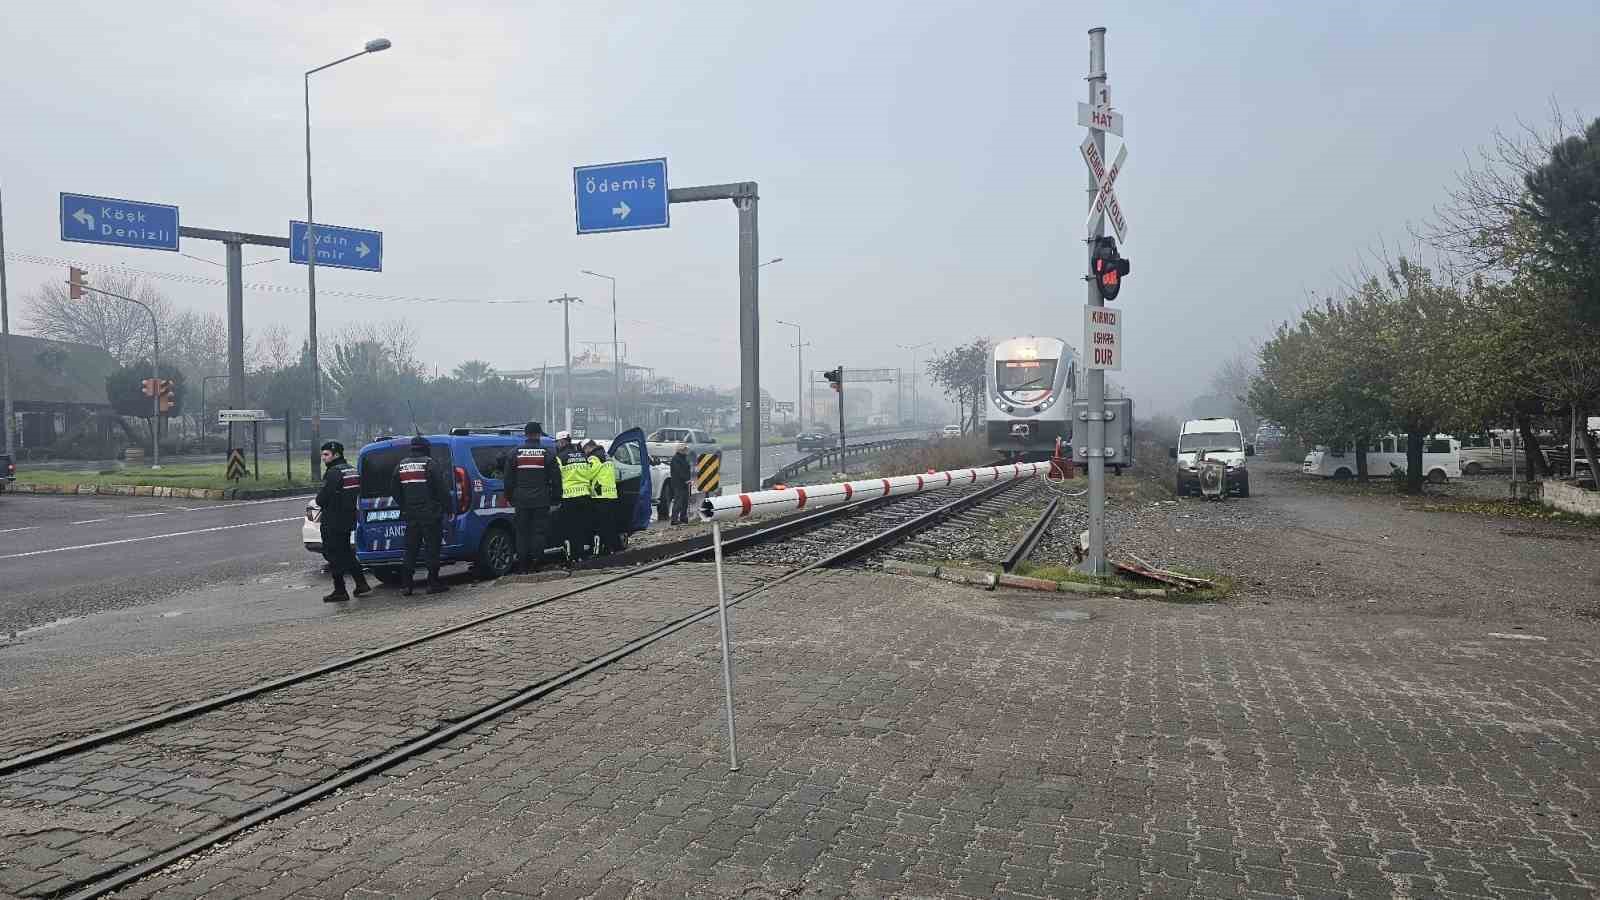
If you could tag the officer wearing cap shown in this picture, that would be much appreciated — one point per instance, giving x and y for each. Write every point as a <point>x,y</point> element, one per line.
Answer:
<point>337,501</point>
<point>575,503</point>
<point>533,482</point>
<point>423,495</point>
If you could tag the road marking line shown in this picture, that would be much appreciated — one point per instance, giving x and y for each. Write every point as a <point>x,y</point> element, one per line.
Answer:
<point>143,515</point>
<point>151,537</point>
<point>27,528</point>
<point>86,521</point>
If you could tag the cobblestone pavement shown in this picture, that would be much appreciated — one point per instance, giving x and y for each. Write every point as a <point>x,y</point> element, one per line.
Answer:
<point>910,737</point>
<point>68,820</point>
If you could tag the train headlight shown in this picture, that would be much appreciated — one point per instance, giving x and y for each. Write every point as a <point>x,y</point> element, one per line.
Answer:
<point>1008,407</point>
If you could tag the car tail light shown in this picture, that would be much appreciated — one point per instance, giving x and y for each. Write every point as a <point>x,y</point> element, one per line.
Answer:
<point>463,491</point>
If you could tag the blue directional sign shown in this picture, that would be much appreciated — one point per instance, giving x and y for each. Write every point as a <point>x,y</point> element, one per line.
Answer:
<point>339,247</point>
<point>124,223</point>
<point>625,196</point>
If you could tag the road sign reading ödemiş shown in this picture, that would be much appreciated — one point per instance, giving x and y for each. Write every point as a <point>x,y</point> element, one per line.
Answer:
<point>1102,338</point>
<point>625,196</point>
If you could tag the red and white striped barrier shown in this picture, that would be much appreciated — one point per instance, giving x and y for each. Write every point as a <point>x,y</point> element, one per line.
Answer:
<point>817,496</point>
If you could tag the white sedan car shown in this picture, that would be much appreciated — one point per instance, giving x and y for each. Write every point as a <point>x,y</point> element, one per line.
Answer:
<point>310,530</point>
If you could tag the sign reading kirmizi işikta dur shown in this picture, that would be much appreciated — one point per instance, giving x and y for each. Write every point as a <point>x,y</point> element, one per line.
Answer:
<point>1102,338</point>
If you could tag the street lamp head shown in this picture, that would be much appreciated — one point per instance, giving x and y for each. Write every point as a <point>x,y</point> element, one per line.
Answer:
<point>377,44</point>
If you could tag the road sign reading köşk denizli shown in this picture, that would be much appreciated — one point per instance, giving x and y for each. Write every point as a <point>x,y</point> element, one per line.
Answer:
<point>88,219</point>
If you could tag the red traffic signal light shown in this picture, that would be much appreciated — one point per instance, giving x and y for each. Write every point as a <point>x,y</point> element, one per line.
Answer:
<point>1108,268</point>
<point>167,397</point>
<point>76,279</point>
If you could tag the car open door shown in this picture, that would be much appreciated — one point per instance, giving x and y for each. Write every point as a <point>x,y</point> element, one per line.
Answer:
<point>634,494</point>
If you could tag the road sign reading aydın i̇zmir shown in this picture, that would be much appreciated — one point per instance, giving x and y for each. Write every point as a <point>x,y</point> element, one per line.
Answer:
<point>87,219</point>
<point>625,196</point>
<point>338,246</point>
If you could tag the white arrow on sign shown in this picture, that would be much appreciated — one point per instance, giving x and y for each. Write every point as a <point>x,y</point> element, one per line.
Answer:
<point>1105,199</point>
<point>362,250</point>
<point>84,219</point>
<point>621,210</point>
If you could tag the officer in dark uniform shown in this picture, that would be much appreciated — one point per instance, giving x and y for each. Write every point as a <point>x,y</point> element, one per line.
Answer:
<point>421,492</point>
<point>533,482</point>
<point>337,500</point>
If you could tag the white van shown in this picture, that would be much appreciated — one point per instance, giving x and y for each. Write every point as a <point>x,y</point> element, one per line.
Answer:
<point>1441,459</point>
<point>1219,439</point>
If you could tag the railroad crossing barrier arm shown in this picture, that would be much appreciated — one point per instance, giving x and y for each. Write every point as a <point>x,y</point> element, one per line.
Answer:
<point>816,496</point>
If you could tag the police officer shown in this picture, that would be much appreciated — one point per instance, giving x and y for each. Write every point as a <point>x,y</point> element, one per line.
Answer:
<point>419,489</point>
<point>533,482</point>
<point>337,500</point>
<point>678,482</point>
<point>575,502</point>
<point>603,475</point>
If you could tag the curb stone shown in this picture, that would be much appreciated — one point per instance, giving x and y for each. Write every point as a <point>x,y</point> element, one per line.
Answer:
<point>1076,587</point>
<point>986,580</point>
<point>1028,584</point>
<point>901,567</point>
<point>152,490</point>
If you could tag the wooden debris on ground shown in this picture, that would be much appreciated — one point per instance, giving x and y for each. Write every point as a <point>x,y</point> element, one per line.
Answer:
<point>1141,568</point>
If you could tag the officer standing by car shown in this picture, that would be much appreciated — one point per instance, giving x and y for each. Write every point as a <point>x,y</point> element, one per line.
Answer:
<point>533,482</point>
<point>575,494</point>
<point>337,500</point>
<point>603,476</point>
<point>423,495</point>
<point>678,480</point>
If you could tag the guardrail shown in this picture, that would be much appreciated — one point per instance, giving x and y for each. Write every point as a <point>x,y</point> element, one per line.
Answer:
<point>833,454</point>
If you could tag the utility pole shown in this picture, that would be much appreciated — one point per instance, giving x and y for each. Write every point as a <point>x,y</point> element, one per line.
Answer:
<point>914,348</point>
<point>1095,563</point>
<point>5,336</point>
<point>799,346</point>
<point>566,337</point>
<point>616,354</point>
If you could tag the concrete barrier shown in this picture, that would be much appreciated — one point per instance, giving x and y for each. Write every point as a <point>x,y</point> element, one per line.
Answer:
<point>1568,497</point>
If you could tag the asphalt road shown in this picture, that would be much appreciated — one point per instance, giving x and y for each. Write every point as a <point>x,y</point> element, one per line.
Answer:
<point>62,557</point>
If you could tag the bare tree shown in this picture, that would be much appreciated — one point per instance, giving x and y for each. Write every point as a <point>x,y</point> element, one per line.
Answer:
<point>273,348</point>
<point>116,326</point>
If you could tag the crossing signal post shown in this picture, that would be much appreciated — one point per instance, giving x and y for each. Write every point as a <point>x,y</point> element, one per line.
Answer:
<point>166,396</point>
<point>76,279</point>
<point>836,381</point>
<point>1108,268</point>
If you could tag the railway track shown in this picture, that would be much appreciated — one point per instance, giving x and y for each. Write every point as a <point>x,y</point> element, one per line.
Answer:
<point>277,746</point>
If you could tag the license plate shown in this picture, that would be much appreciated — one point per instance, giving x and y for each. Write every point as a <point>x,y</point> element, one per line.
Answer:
<point>383,515</point>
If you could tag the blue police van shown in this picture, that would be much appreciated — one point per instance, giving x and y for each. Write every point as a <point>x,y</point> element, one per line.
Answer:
<point>478,523</point>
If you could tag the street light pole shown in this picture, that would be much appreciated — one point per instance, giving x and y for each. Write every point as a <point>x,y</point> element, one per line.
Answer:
<point>799,372</point>
<point>616,356</point>
<point>914,348</point>
<point>373,46</point>
<point>5,337</point>
<point>566,338</point>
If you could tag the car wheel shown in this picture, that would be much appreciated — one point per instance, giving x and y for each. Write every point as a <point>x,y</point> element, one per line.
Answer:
<point>1472,469</point>
<point>1437,476</point>
<point>1342,475</point>
<point>1179,489</point>
<point>1244,486</point>
<point>497,554</point>
<point>390,575</point>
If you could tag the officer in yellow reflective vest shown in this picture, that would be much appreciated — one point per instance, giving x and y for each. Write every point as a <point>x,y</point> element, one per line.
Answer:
<point>607,524</point>
<point>576,495</point>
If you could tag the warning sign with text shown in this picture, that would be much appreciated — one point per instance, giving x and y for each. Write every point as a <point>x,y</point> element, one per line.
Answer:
<point>1102,338</point>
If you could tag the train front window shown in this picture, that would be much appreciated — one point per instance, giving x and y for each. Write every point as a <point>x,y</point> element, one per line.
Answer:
<point>1025,374</point>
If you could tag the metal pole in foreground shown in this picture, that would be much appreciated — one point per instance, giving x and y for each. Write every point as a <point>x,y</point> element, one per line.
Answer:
<point>727,654</point>
<point>5,337</point>
<point>311,289</point>
<point>1095,563</point>
<point>750,347</point>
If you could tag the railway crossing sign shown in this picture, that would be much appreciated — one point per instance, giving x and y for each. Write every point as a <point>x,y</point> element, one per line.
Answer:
<point>708,473</point>
<point>1105,199</point>
<point>236,467</point>
<point>1100,118</point>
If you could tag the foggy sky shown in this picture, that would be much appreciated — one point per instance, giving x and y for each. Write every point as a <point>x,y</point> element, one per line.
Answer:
<point>917,162</point>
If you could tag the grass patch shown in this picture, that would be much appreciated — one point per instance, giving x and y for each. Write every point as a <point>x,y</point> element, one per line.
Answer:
<point>184,475</point>
<point>1225,585</point>
<point>1525,510</point>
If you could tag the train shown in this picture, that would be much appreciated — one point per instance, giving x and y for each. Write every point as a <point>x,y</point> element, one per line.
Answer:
<point>1031,383</point>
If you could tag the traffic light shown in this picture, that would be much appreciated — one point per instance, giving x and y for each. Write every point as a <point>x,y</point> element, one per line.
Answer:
<point>76,279</point>
<point>168,397</point>
<point>835,378</point>
<point>1108,268</point>
<point>151,386</point>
